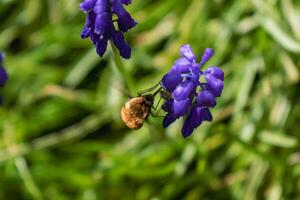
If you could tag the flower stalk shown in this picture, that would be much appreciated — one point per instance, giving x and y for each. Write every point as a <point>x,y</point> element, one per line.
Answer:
<point>124,73</point>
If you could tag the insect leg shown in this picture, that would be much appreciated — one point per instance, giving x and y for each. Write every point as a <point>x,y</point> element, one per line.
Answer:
<point>148,90</point>
<point>155,107</point>
<point>156,114</point>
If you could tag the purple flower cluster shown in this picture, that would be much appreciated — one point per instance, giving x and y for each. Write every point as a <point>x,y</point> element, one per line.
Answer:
<point>100,27</point>
<point>192,95</point>
<point>3,74</point>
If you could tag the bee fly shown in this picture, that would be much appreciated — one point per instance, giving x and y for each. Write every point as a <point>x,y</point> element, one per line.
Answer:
<point>136,111</point>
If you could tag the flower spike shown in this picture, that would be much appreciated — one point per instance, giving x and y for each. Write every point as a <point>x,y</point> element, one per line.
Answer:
<point>191,98</point>
<point>100,26</point>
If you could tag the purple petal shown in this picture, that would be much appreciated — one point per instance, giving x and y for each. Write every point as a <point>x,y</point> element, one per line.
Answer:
<point>216,72</point>
<point>196,72</point>
<point>87,5</point>
<point>168,106</point>
<point>100,6</point>
<point>206,114</point>
<point>95,38</point>
<point>203,114</point>
<point>86,32</point>
<point>3,76</point>
<point>195,119</point>
<point>184,90</point>
<point>125,21</point>
<point>126,2</point>
<point>109,30</point>
<point>119,41</point>
<point>168,119</point>
<point>199,116</point>
<point>206,99</point>
<point>180,108</point>
<point>189,123</point>
<point>89,25</point>
<point>187,127</point>
<point>1,57</point>
<point>101,47</point>
<point>171,80</point>
<point>187,52</point>
<point>208,53</point>
<point>101,23</point>
<point>182,65</point>
<point>214,85</point>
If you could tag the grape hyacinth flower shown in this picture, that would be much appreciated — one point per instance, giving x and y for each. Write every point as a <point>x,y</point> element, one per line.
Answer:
<point>100,27</point>
<point>191,95</point>
<point>3,74</point>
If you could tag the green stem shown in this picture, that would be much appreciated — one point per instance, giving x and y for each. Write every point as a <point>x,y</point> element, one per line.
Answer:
<point>126,76</point>
<point>26,176</point>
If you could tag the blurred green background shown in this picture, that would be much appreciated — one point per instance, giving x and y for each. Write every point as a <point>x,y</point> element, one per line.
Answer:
<point>61,136</point>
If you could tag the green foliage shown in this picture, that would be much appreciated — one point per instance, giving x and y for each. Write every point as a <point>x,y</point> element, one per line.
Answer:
<point>61,136</point>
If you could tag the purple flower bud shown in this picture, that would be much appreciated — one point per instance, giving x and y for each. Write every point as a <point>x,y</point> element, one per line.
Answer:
<point>87,5</point>
<point>199,116</point>
<point>126,2</point>
<point>120,43</point>
<point>184,90</point>
<point>100,7</point>
<point>171,80</point>
<point>216,72</point>
<point>188,126</point>
<point>125,21</point>
<point>101,22</point>
<point>1,58</point>
<point>89,24</point>
<point>206,114</point>
<point>85,32</point>
<point>187,52</point>
<point>182,107</point>
<point>95,38</point>
<point>208,53</point>
<point>101,47</point>
<point>168,119</point>
<point>189,123</point>
<point>182,65</point>
<point>206,99</point>
<point>3,76</point>
<point>195,70</point>
<point>195,119</point>
<point>214,85</point>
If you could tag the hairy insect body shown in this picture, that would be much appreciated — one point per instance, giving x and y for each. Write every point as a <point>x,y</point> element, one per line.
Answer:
<point>136,110</point>
<point>165,94</point>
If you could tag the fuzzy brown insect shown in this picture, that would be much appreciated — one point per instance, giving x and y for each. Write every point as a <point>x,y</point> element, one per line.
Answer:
<point>136,111</point>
